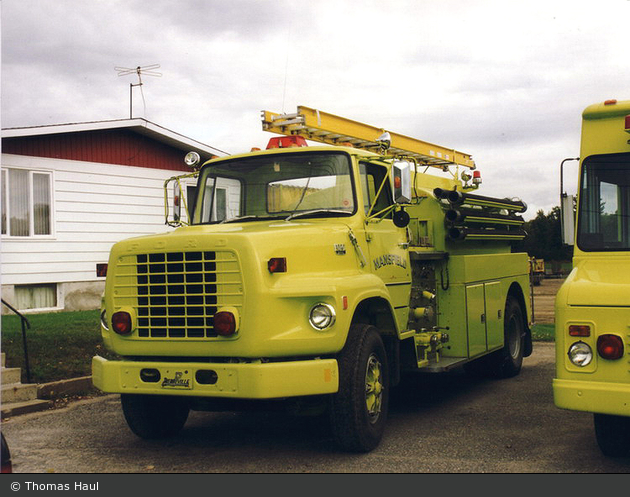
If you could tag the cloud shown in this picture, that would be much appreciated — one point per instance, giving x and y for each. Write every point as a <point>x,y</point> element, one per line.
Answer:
<point>504,81</point>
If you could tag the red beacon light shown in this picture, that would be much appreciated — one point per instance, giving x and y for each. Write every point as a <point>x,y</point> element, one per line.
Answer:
<point>477,177</point>
<point>287,142</point>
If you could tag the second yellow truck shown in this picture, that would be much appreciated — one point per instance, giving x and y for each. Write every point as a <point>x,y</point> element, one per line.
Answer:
<point>593,305</point>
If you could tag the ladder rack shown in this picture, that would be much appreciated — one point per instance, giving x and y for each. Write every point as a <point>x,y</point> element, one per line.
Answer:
<point>322,127</point>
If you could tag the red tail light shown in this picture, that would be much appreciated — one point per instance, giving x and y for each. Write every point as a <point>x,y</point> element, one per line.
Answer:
<point>610,347</point>
<point>224,323</point>
<point>122,323</point>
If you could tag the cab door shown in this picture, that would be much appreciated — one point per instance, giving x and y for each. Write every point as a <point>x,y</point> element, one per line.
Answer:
<point>388,257</point>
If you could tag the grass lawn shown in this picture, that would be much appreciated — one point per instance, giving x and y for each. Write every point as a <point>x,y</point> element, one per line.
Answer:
<point>543,333</point>
<point>61,345</point>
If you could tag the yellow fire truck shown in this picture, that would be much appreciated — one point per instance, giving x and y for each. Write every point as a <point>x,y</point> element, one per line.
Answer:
<point>593,305</point>
<point>315,276</point>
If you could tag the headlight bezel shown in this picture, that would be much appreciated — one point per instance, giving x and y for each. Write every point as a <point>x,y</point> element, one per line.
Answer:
<point>322,316</point>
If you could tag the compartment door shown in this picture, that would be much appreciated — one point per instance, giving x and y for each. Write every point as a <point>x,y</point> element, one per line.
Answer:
<point>476,319</point>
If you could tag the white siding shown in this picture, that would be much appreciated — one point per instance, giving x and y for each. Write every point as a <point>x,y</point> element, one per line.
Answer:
<point>94,206</point>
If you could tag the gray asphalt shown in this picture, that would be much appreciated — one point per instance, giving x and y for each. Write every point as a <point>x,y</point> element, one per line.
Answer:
<point>437,424</point>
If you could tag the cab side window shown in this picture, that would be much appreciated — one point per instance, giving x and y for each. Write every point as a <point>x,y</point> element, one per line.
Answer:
<point>372,176</point>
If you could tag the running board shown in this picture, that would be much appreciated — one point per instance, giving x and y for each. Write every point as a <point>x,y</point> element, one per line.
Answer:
<point>444,364</point>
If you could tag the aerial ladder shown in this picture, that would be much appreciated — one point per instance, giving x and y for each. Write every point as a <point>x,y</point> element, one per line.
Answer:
<point>323,127</point>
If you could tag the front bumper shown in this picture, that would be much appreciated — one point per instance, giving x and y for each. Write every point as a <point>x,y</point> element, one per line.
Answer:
<point>592,396</point>
<point>227,380</point>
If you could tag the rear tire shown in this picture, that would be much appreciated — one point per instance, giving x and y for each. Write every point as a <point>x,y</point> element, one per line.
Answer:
<point>154,416</point>
<point>612,434</point>
<point>359,409</point>
<point>510,358</point>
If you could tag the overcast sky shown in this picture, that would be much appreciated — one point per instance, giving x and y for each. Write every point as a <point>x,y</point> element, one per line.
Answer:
<point>503,80</point>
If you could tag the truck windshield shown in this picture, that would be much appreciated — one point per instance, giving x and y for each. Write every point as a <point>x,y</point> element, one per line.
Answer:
<point>282,186</point>
<point>604,206</point>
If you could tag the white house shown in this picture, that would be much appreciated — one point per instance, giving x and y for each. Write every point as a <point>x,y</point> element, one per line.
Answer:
<point>69,192</point>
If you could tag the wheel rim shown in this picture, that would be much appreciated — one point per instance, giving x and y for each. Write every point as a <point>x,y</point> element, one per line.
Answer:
<point>373,388</point>
<point>514,337</point>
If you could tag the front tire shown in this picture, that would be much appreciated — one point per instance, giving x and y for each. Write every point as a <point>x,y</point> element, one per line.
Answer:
<point>154,416</point>
<point>359,409</point>
<point>612,434</point>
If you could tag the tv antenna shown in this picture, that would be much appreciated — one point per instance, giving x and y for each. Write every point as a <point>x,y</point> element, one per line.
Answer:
<point>148,70</point>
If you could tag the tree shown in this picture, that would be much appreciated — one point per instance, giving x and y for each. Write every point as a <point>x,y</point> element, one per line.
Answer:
<point>544,237</point>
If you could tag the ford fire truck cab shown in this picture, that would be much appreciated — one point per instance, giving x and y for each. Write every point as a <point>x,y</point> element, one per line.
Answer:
<point>316,275</point>
<point>592,308</point>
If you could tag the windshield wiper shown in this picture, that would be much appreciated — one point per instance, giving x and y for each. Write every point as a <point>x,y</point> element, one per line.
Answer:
<point>251,217</point>
<point>317,212</point>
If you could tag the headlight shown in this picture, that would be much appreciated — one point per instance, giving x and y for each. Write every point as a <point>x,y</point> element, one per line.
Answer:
<point>322,316</point>
<point>580,354</point>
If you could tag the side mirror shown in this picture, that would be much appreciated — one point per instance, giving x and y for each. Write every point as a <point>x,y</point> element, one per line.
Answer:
<point>567,219</point>
<point>177,201</point>
<point>401,179</point>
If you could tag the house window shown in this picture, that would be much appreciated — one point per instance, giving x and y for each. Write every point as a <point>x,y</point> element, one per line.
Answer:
<point>36,296</point>
<point>26,202</point>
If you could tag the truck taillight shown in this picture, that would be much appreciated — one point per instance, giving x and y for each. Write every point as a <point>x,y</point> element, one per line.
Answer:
<point>224,323</point>
<point>122,322</point>
<point>610,346</point>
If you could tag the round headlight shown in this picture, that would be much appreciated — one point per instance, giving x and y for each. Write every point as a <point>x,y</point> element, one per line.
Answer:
<point>580,354</point>
<point>322,316</point>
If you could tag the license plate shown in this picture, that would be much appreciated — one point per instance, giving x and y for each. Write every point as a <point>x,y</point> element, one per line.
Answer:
<point>177,379</point>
